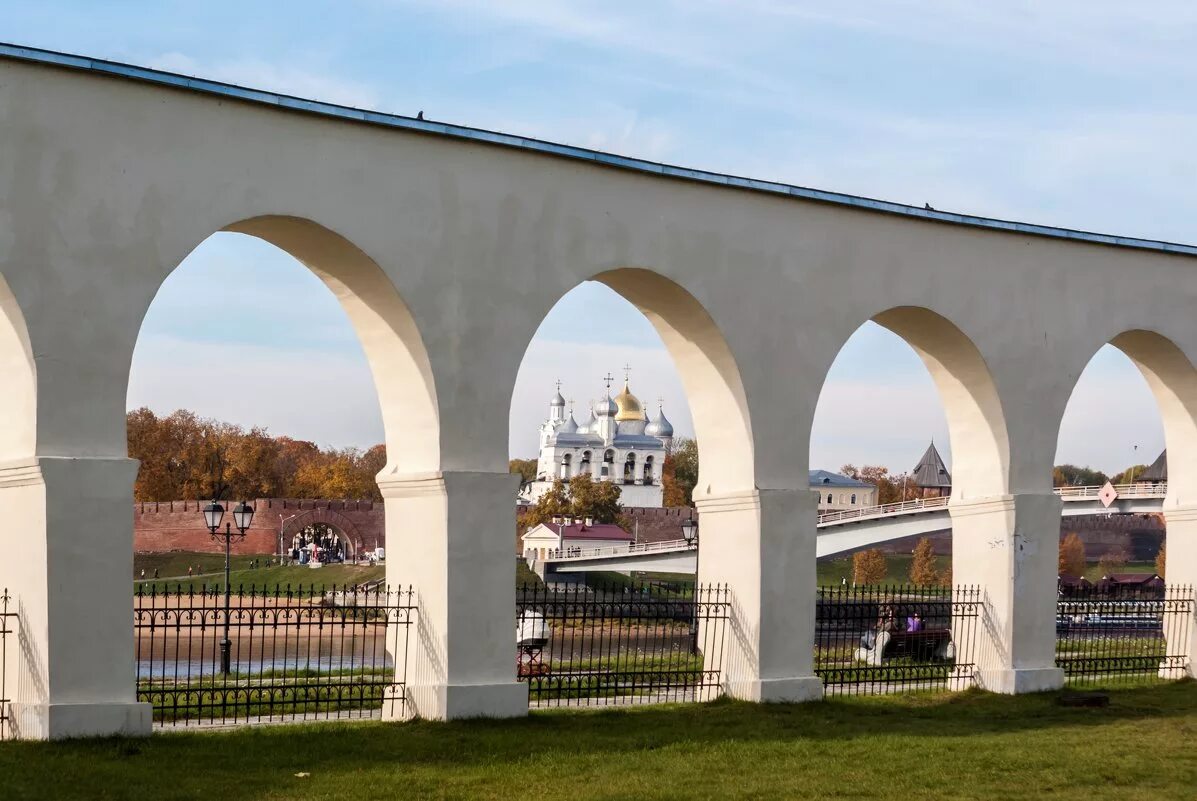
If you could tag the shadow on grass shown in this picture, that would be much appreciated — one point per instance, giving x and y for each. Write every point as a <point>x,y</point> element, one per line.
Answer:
<point>249,762</point>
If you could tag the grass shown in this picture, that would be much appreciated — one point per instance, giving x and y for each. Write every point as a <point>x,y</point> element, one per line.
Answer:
<point>963,746</point>
<point>1094,572</point>
<point>172,572</point>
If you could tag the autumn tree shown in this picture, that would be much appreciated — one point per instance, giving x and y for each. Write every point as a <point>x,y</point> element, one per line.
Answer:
<point>1160,560</point>
<point>1069,475</point>
<point>679,473</point>
<point>924,566</point>
<point>869,567</point>
<point>672,493</point>
<point>1130,475</point>
<point>595,499</point>
<point>1113,561</point>
<point>182,456</point>
<point>1072,555</point>
<point>890,489</point>
<point>553,503</point>
<point>526,468</point>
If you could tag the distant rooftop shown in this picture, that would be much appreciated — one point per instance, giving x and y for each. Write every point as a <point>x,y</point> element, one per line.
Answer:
<point>825,478</point>
<point>292,103</point>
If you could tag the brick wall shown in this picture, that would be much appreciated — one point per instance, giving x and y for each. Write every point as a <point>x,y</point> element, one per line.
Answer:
<point>657,524</point>
<point>179,525</point>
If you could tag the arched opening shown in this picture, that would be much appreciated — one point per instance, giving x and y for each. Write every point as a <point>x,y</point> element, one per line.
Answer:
<point>1129,421</point>
<point>1125,471</point>
<point>18,401</point>
<point>667,346</point>
<point>224,346</point>
<point>566,461</point>
<point>908,413</point>
<point>321,542</point>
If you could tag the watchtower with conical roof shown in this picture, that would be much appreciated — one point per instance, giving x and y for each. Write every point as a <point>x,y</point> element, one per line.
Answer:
<point>1157,473</point>
<point>931,476</point>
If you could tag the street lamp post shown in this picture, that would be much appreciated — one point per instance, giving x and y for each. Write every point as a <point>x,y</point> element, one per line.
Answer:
<point>690,535</point>
<point>282,524</point>
<point>243,515</point>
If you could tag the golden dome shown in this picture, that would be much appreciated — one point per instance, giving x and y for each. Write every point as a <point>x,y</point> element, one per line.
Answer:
<point>629,406</point>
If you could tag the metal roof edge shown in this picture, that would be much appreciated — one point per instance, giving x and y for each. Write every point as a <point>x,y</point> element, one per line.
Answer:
<point>205,86</point>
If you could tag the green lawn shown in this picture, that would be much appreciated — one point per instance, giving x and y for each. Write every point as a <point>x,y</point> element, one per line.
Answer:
<point>1094,572</point>
<point>172,572</point>
<point>905,748</point>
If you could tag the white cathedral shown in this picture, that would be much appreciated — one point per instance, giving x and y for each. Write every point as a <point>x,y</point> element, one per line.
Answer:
<point>617,443</point>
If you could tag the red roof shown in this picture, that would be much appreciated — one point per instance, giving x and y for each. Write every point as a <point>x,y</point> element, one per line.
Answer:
<point>1132,578</point>
<point>599,531</point>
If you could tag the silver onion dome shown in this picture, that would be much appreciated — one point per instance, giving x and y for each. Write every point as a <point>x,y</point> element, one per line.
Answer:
<point>605,408</point>
<point>661,427</point>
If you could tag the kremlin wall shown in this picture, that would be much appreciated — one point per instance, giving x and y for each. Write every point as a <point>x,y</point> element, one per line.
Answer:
<point>179,526</point>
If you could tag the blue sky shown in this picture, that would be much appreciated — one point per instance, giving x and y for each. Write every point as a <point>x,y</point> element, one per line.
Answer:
<point>1067,113</point>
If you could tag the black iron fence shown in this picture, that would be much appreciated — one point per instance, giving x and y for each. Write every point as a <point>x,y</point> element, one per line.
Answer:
<point>883,639</point>
<point>1124,635</point>
<point>293,654</point>
<point>585,646</point>
<point>8,630</point>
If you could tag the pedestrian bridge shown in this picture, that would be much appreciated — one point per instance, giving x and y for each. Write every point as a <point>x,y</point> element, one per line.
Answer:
<point>852,529</point>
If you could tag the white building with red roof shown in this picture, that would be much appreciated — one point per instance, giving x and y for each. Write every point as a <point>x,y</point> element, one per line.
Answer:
<point>572,534</point>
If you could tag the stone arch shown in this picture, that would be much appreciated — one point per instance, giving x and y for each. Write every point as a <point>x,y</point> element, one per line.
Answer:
<point>976,423</point>
<point>385,327</point>
<point>18,401</point>
<point>329,517</point>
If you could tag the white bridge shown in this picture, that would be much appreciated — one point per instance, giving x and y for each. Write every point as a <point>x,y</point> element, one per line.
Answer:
<point>851,529</point>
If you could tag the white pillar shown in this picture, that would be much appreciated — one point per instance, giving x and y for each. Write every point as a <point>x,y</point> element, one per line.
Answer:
<point>451,536</point>
<point>1181,572</point>
<point>761,543</point>
<point>1008,546</point>
<point>68,541</point>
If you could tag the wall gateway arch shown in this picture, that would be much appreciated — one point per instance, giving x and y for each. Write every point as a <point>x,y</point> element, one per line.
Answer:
<point>443,242</point>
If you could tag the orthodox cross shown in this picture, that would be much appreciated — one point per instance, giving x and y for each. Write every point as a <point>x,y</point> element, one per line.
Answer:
<point>627,369</point>
<point>607,379</point>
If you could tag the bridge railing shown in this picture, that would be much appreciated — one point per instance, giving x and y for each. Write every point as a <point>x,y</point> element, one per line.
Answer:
<point>1137,490</point>
<point>618,550</point>
<point>915,505</point>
